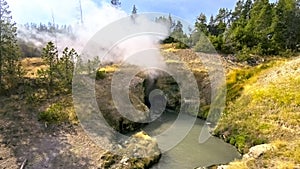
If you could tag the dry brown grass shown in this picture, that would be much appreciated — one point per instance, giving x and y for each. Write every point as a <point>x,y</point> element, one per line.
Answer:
<point>169,47</point>
<point>32,65</point>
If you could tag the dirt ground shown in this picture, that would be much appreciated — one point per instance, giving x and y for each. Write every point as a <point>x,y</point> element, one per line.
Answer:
<point>24,138</point>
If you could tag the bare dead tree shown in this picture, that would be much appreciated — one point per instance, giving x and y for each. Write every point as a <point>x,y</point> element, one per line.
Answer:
<point>81,13</point>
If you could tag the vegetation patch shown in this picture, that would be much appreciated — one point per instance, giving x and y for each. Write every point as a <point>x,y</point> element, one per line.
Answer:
<point>264,111</point>
<point>100,74</point>
<point>58,112</point>
<point>237,79</point>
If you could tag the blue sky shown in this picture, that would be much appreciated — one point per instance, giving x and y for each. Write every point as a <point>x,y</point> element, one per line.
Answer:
<point>39,10</point>
<point>66,11</point>
<point>186,9</point>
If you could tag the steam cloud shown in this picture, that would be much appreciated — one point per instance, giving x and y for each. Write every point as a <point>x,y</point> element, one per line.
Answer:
<point>95,18</point>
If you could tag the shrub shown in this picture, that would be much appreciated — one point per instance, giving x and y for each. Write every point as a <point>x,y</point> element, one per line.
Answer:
<point>100,74</point>
<point>180,45</point>
<point>54,113</point>
<point>244,54</point>
<point>58,112</point>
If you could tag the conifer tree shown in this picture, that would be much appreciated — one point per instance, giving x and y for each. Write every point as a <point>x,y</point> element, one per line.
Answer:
<point>50,56</point>
<point>10,70</point>
<point>134,10</point>
<point>116,3</point>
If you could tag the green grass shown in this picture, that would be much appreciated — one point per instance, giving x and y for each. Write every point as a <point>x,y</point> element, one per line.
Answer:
<point>261,111</point>
<point>237,79</point>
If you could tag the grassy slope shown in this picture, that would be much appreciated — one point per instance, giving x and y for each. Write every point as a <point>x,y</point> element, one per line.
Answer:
<point>55,109</point>
<point>264,107</point>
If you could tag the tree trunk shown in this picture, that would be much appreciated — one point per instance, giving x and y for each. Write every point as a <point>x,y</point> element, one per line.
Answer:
<point>1,60</point>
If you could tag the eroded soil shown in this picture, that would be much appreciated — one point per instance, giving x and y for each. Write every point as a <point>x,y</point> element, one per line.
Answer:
<point>23,137</point>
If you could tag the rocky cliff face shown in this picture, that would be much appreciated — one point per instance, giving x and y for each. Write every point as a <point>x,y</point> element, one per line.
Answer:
<point>162,87</point>
<point>108,107</point>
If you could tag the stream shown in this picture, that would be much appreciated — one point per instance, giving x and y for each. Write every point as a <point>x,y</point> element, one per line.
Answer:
<point>189,153</point>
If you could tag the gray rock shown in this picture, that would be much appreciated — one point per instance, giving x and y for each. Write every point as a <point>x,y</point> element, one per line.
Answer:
<point>257,151</point>
<point>140,151</point>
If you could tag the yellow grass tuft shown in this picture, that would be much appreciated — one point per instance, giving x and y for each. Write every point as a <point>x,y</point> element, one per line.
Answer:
<point>32,65</point>
<point>109,68</point>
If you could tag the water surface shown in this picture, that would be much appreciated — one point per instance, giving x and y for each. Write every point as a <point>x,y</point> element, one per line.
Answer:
<point>189,153</point>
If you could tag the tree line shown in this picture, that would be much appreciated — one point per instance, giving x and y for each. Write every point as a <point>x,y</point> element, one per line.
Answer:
<point>31,30</point>
<point>252,28</point>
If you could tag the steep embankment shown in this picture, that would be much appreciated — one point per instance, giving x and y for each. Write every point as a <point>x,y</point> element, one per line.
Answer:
<point>263,106</point>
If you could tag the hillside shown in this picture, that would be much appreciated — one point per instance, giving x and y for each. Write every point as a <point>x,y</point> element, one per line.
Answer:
<point>264,109</point>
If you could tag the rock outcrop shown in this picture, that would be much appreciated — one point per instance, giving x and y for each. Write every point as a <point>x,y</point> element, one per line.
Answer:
<point>257,151</point>
<point>139,151</point>
<point>253,154</point>
<point>108,108</point>
<point>188,67</point>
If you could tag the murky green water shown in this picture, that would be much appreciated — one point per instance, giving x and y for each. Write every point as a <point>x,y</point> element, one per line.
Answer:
<point>189,153</point>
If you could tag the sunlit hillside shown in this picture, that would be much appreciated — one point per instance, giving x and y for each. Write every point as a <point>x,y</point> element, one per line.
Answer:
<point>267,111</point>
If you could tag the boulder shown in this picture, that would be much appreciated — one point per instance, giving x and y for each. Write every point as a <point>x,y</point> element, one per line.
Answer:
<point>257,151</point>
<point>139,151</point>
<point>214,167</point>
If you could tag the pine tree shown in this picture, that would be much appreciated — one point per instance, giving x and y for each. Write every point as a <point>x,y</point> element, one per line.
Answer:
<point>133,13</point>
<point>50,56</point>
<point>246,10</point>
<point>116,3</point>
<point>236,35</point>
<point>10,70</point>
<point>258,26</point>
<point>201,25</point>
<point>134,10</point>
<point>286,25</point>
<point>179,36</point>
<point>221,21</point>
<point>66,67</point>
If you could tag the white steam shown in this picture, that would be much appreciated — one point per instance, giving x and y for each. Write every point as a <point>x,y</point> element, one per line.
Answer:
<point>140,49</point>
<point>131,40</point>
<point>94,18</point>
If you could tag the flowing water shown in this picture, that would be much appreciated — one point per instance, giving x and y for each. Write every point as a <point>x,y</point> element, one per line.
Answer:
<point>189,153</point>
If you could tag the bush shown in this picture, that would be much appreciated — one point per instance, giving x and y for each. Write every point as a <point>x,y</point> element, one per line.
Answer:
<point>100,74</point>
<point>244,54</point>
<point>287,53</point>
<point>58,112</point>
<point>54,113</point>
<point>180,45</point>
